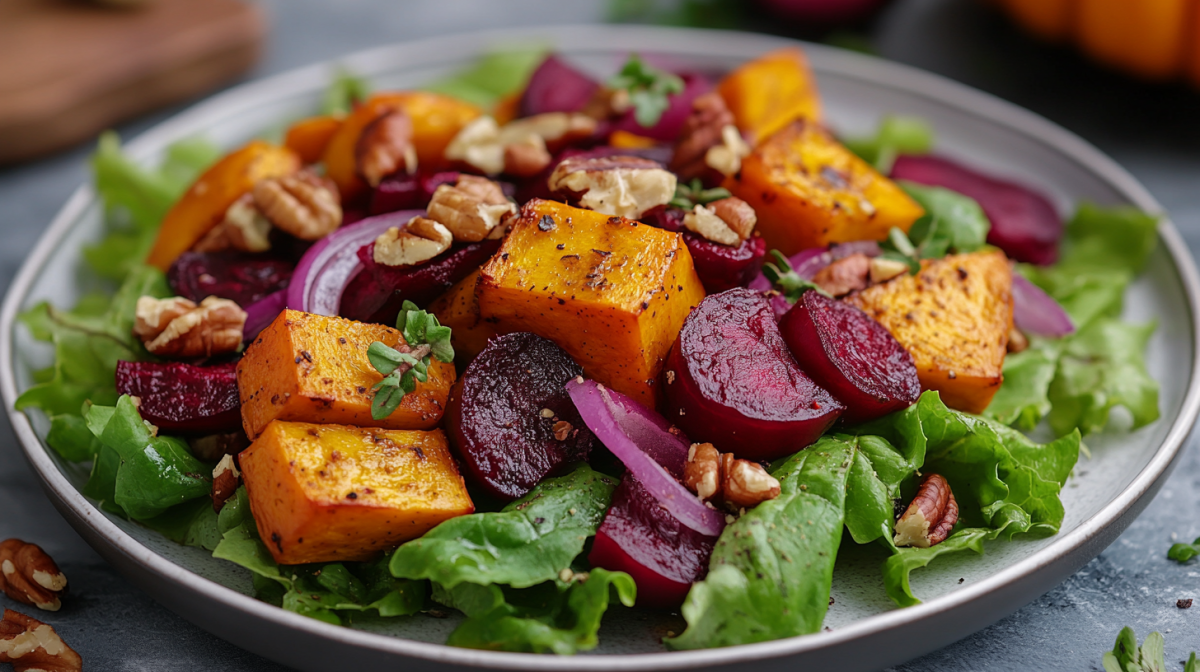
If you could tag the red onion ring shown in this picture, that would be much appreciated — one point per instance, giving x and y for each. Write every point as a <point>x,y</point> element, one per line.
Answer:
<point>638,437</point>
<point>1034,311</point>
<point>262,313</point>
<point>329,265</point>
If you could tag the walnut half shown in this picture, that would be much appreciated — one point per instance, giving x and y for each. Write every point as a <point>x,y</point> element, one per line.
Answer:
<point>29,575</point>
<point>177,327</point>
<point>303,204</point>
<point>728,221</point>
<point>624,186</point>
<point>930,517</point>
<point>721,477</point>
<point>472,208</point>
<point>421,239</point>
<point>32,646</point>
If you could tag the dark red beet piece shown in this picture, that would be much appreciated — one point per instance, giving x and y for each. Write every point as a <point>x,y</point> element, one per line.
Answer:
<point>732,382</point>
<point>679,106</point>
<point>852,356</point>
<point>407,192</point>
<point>496,418</point>
<point>1025,223</point>
<point>242,278</point>
<point>640,537</point>
<point>184,398</point>
<point>556,87</point>
<point>378,291</point>
<point>722,267</point>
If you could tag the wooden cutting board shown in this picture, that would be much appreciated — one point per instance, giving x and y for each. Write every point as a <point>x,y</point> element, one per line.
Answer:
<point>69,69</point>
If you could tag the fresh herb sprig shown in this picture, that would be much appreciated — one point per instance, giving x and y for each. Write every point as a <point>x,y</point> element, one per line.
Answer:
<point>426,337</point>
<point>649,89</point>
<point>1182,552</point>
<point>792,284</point>
<point>688,195</point>
<point>1127,656</point>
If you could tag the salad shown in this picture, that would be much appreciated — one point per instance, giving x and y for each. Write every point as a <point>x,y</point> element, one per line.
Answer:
<point>523,344</point>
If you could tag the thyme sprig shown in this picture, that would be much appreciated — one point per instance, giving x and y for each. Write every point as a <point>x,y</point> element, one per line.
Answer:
<point>402,370</point>
<point>790,283</point>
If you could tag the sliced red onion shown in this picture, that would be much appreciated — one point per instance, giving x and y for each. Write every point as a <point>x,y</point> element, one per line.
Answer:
<point>639,437</point>
<point>330,264</point>
<point>262,313</point>
<point>1034,311</point>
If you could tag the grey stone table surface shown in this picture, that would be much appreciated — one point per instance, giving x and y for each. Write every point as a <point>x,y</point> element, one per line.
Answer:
<point>1152,130</point>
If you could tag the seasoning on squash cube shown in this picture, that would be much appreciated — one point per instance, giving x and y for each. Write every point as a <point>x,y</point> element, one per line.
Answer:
<point>312,368</point>
<point>954,317</point>
<point>770,91</point>
<point>611,292</point>
<point>324,493</point>
<point>808,191</point>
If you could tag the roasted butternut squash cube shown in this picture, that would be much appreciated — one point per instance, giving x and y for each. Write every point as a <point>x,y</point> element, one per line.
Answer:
<point>312,368</point>
<point>611,292</point>
<point>458,309</point>
<point>204,204</point>
<point>767,93</point>
<point>954,317</point>
<point>309,137</point>
<point>808,191</point>
<point>328,493</point>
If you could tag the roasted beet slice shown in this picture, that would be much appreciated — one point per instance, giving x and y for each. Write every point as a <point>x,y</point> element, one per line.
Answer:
<point>1025,223</point>
<point>556,87</point>
<point>407,192</point>
<point>510,419</point>
<point>242,278</point>
<point>679,106</point>
<point>378,291</point>
<point>639,537</point>
<point>731,381</point>
<point>723,267</point>
<point>852,356</point>
<point>179,397</point>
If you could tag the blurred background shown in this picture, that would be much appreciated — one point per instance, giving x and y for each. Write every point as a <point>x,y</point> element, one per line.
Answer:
<point>1123,74</point>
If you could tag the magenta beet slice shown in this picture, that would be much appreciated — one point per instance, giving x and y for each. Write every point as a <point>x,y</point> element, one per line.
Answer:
<point>639,537</point>
<point>178,397</point>
<point>722,267</point>
<point>502,414</point>
<point>852,356</point>
<point>731,382</point>
<point>242,278</point>
<point>556,87</point>
<point>1025,223</point>
<point>679,106</point>
<point>407,192</point>
<point>378,291</point>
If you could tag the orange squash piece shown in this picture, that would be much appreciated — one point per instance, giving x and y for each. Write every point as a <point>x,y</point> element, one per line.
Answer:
<point>1049,19</point>
<point>808,191</point>
<point>458,309</point>
<point>330,493</point>
<point>1145,37</point>
<point>954,317</point>
<point>627,140</point>
<point>204,204</point>
<point>436,119</point>
<point>312,368</point>
<point>309,137</point>
<point>611,292</point>
<point>771,91</point>
<point>508,107</point>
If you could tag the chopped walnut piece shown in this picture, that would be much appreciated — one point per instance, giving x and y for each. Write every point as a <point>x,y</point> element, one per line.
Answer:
<point>721,477</point>
<point>526,158</point>
<point>625,186</point>
<point>30,576</point>
<point>726,158</point>
<point>304,204</point>
<point>244,228</point>
<point>704,222</point>
<point>421,240</point>
<point>845,275</point>
<point>607,103</point>
<point>471,208</point>
<point>701,131</point>
<point>478,145</point>
<point>883,269</point>
<point>930,517</point>
<point>212,328</point>
<point>385,147</point>
<point>226,478</point>
<point>737,215</point>
<point>32,646</point>
<point>517,147</point>
<point>1017,341</point>
<point>562,430</point>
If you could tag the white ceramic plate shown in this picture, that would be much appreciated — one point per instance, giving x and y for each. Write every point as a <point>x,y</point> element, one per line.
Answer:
<point>963,593</point>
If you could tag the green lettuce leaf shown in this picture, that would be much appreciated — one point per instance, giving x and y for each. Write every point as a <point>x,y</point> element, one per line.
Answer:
<point>153,473</point>
<point>192,523</point>
<point>896,135</point>
<point>553,617</point>
<point>492,77</point>
<point>529,542</point>
<point>954,221</point>
<point>344,92</point>
<point>1024,398</point>
<point>900,565</point>
<point>1101,367</point>
<point>326,591</point>
<point>771,571</point>
<point>70,437</point>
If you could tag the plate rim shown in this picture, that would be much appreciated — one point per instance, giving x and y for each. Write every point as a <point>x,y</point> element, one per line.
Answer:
<point>866,69</point>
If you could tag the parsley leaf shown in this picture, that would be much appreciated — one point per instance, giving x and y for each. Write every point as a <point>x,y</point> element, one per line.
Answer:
<point>403,370</point>
<point>649,89</point>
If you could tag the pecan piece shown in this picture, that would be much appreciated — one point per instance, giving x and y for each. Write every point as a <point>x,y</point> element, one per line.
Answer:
<point>930,517</point>
<point>625,186</point>
<point>471,208</point>
<point>701,130</point>
<point>305,204</point>
<point>385,147</point>
<point>244,228</point>
<point>608,103</point>
<point>28,575</point>
<point>845,275</point>
<point>226,478</point>
<point>727,221</point>
<point>178,328</point>
<point>421,239</point>
<point>32,646</point>
<point>721,477</point>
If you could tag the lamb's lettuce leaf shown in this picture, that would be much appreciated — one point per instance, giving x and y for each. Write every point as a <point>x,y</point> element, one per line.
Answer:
<point>953,222</point>
<point>1101,367</point>
<point>896,135</point>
